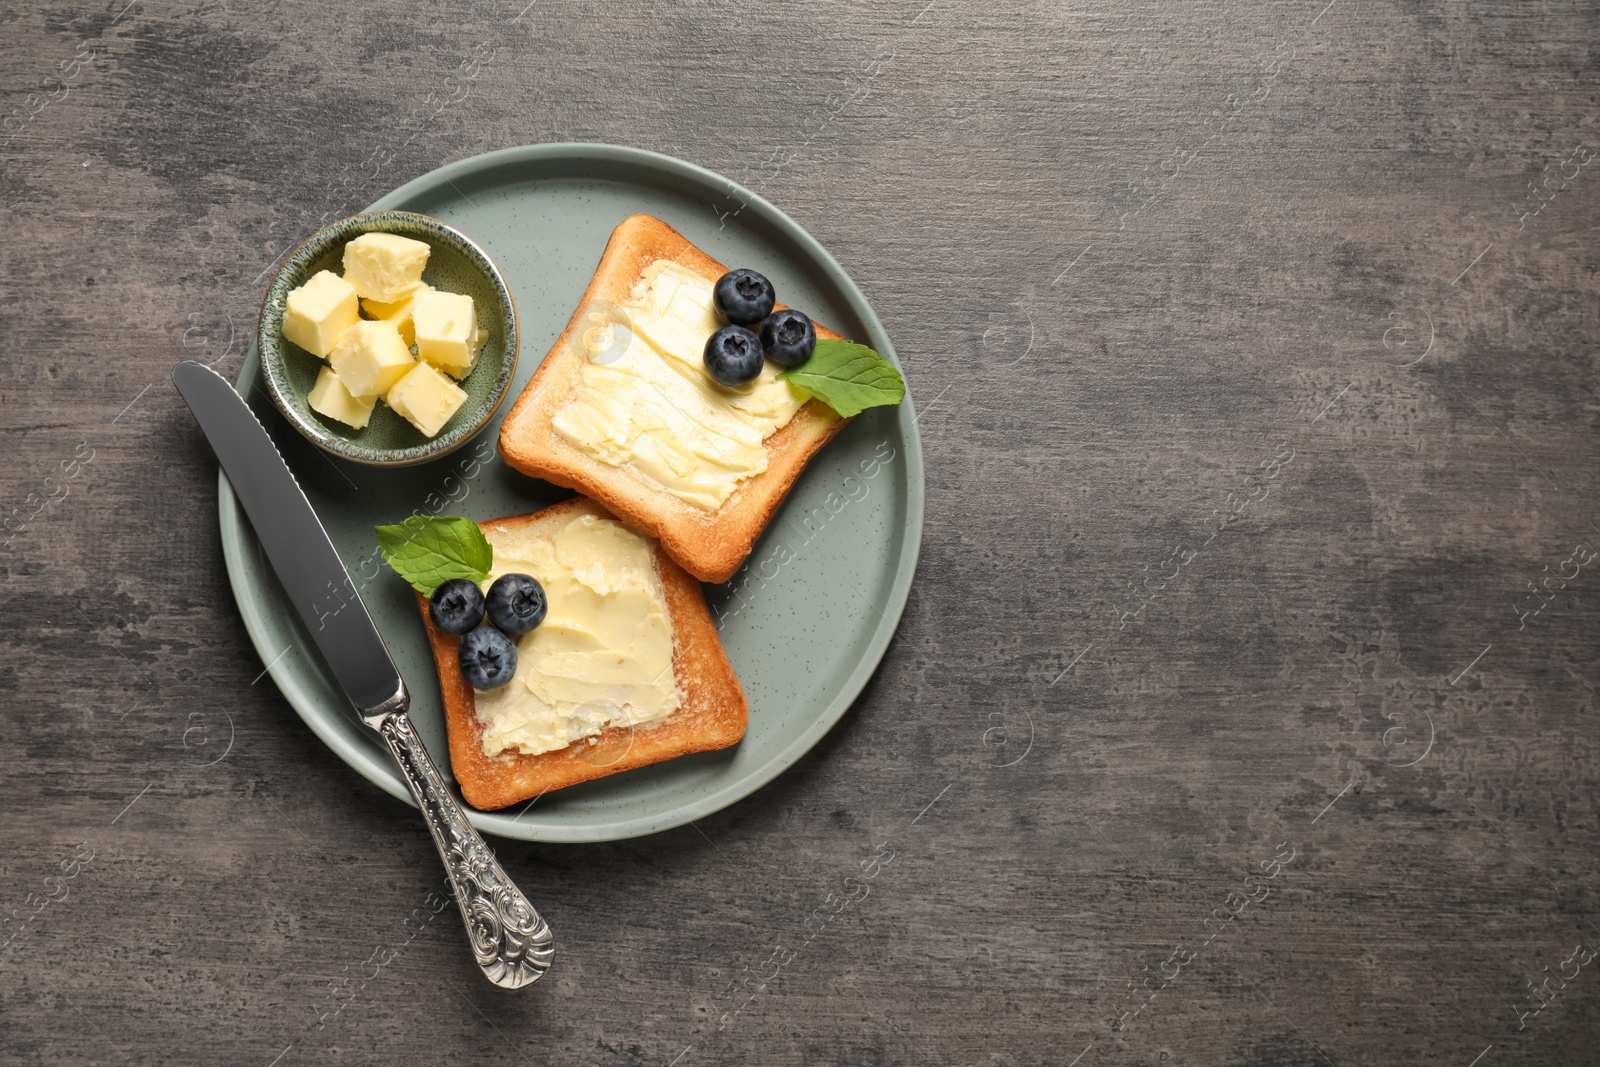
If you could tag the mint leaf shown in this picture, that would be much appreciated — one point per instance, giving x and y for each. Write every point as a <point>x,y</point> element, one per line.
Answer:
<point>429,550</point>
<point>848,377</point>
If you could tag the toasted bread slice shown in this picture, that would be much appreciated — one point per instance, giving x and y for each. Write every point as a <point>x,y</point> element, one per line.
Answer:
<point>713,713</point>
<point>708,544</point>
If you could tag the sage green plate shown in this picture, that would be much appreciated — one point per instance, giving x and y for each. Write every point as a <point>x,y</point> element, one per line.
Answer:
<point>805,622</point>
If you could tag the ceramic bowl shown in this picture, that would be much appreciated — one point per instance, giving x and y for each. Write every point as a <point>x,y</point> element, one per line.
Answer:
<point>455,265</point>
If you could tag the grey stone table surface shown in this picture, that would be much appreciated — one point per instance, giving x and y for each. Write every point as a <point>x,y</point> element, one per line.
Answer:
<point>1244,710</point>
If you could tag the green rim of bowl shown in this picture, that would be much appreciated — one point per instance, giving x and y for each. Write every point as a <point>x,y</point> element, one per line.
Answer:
<point>265,620</point>
<point>457,265</point>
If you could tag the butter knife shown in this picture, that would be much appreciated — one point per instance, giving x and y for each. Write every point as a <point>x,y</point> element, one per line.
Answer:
<point>512,944</point>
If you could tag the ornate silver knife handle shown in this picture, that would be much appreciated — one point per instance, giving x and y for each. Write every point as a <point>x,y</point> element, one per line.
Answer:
<point>512,943</point>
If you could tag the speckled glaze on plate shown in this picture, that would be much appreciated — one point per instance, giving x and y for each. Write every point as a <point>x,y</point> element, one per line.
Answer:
<point>456,265</point>
<point>805,622</point>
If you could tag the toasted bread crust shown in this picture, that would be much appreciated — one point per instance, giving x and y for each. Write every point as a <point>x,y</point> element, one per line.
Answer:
<point>709,545</point>
<point>713,714</point>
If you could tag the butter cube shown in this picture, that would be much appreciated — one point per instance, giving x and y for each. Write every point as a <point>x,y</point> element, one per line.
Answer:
<point>319,311</point>
<point>397,312</point>
<point>426,399</point>
<point>370,358</point>
<point>329,397</point>
<point>447,331</point>
<point>385,266</point>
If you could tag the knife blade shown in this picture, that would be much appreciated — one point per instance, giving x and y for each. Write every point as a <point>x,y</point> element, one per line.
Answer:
<point>511,942</point>
<point>304,558</point>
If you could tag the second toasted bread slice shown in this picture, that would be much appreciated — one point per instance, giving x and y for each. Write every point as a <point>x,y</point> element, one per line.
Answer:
<point>709,544</point>
<point>711,711</point>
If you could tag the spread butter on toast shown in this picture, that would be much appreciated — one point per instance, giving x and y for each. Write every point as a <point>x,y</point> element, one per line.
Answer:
<point>708,544</point>
<point>712,715</point>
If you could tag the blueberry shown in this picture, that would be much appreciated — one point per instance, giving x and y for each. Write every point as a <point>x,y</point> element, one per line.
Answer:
<point>516,603</point>
<point>456,606</point>
<point>743,297</point>
<point>488,658</point>
<point>733,356</point>
<point>788,337</point>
